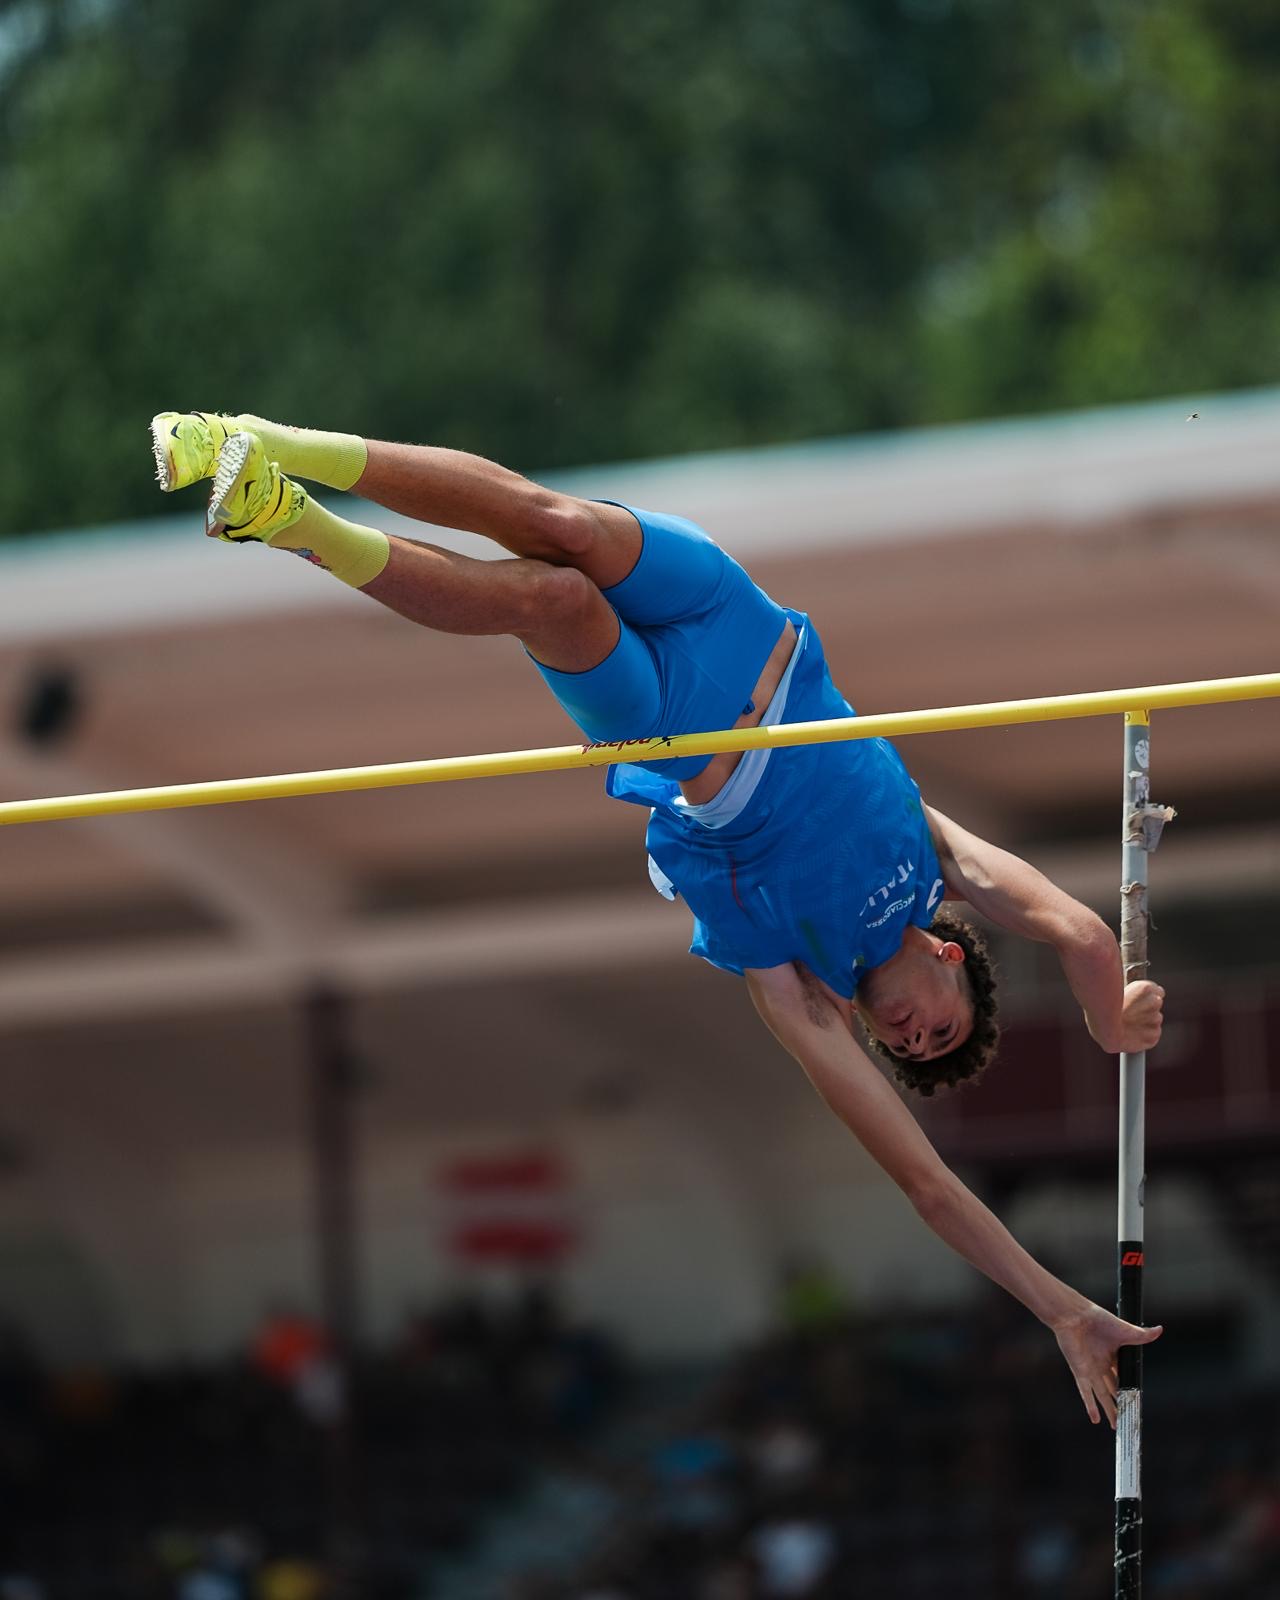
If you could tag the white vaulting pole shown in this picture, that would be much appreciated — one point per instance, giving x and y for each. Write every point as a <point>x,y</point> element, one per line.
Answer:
<point>1142,824</point>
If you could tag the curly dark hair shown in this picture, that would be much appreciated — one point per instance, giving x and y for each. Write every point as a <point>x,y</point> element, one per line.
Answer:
<point>967,1062</point>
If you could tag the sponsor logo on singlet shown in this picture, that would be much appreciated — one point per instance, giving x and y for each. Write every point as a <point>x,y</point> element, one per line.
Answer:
<point>901,874</point>
<point>876,901</point>
<point>889,911</point>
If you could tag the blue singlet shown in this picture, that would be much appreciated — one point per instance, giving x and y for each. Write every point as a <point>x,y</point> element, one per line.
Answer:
<point>829,861</point>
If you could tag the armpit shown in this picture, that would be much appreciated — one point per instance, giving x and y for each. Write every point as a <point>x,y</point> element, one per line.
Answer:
<point>821,1003</point>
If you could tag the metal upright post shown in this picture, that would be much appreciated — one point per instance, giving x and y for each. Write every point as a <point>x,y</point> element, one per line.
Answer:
<point>1142,825</point>
<point>331,1074</point>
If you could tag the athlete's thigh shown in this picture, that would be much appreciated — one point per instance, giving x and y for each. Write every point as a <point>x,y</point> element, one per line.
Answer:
<point>622,697</point>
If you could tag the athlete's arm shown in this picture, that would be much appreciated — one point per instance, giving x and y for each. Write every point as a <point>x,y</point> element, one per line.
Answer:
<point>808,1025</point>
<point>1014,895</point>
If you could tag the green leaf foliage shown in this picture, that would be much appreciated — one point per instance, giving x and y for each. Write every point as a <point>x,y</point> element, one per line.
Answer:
<point>557,231</point>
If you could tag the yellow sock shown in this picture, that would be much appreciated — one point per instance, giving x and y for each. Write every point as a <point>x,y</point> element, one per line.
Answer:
<point>354,554</point>
<point>336,459</point>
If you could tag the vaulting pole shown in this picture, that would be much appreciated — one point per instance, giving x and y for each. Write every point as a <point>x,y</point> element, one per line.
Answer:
<point>1141,826</point>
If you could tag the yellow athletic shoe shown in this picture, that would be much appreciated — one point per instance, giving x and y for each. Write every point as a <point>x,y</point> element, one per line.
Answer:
<point>251,498</point>
<point>186,446</point>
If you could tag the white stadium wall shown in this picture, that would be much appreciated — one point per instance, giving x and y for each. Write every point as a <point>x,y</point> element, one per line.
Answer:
<point>683,1231</point>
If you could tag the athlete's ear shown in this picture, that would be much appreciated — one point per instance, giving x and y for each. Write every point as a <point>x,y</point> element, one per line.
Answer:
<point>951,952</point>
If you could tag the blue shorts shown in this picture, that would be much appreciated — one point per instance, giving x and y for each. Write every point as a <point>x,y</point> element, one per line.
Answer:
<point>695,636</point>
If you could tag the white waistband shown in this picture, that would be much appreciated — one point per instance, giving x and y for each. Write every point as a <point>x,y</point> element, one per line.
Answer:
<point>745,778</point>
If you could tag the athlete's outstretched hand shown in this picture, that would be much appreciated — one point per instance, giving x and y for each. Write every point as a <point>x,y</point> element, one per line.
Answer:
<point>1141,1017</point>
<point>1089,1339</point>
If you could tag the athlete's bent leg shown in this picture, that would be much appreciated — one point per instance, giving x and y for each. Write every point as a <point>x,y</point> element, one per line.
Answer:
<point>557,613</point>
<point>567,598</point>
<point>448,488</point>
<point>456,490</point>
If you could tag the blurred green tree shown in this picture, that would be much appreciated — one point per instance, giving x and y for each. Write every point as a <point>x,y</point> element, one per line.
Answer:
<point>567,230</point>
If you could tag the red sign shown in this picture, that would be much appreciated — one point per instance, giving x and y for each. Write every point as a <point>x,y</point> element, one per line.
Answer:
<point>509,1208</point>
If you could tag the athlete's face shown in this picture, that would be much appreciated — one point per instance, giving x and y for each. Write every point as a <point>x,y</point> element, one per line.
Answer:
<point>918,1004</point>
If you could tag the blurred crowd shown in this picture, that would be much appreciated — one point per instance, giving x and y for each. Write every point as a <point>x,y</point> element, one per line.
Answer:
<point>286,1475</point>
<point>907,1455</point>
<point>937,1457</point>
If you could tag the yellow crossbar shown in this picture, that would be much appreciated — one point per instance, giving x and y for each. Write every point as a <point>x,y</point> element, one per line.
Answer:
<point>445,769</point>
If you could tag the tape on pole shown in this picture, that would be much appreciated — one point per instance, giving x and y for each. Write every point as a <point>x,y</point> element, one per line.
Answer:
<point>1129,1444</point>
